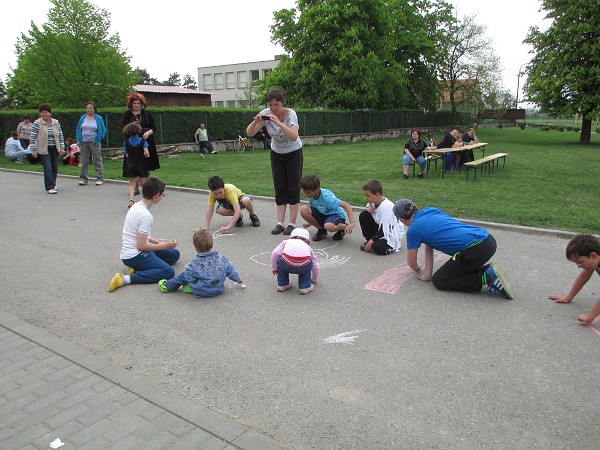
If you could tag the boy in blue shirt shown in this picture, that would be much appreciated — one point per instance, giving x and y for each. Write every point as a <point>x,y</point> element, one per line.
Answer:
<point>470,248</point>
<point>325,211</point>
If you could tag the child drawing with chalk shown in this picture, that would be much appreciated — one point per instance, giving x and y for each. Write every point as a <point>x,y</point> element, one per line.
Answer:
<point>583,250</point>
<point>205,275</point>
<point>294,255</point>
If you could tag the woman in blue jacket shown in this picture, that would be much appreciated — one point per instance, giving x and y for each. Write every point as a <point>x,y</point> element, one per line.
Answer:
<point>89,134</point>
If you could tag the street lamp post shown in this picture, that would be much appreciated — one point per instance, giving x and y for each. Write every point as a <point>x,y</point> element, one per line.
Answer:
<point>518,81</point>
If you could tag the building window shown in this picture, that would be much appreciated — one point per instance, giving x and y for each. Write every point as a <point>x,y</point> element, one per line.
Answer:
<point>219,104</point>
<point>218,81</point>
<point>229,80</point>
<point>266,71</point>
<point>231,103</point>
<point>207,82</point>
<point>242,79</point>
<point>254,76</point>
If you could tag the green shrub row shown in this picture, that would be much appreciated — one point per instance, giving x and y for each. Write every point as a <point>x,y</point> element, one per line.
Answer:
<point>548,127</point>
<point>178,124</point>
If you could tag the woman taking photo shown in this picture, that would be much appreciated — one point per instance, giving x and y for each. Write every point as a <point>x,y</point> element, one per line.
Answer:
<point>90,132</point>
<point>286,156</point>
<point>48,142</point>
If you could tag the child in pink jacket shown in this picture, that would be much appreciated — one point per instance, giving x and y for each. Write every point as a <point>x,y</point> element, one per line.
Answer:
<point>294,255</point>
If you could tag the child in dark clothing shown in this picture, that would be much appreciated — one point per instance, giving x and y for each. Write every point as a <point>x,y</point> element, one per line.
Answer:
<point>136,151</point>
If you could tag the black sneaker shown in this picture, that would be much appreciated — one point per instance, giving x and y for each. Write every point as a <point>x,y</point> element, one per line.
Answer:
<point>277,230</point>
<point>405,176</point>
<point>288,230</point>
<point>239,222</point>
<point>320,235</point>
<point>339,235</point>
<point>255,221</point>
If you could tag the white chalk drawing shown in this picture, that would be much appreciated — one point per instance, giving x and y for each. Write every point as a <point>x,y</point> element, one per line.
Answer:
<point>326,261</point>
<point>347,338</point>
<point>217,234</point>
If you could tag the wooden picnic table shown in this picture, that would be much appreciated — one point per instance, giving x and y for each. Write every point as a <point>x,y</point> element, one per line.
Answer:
<point>440,153</point>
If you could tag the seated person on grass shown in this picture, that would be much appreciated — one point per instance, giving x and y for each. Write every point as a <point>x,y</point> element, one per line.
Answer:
<point>325,211</point>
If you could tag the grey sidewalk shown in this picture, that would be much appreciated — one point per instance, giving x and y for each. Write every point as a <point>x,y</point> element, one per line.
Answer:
<point>52,389</point>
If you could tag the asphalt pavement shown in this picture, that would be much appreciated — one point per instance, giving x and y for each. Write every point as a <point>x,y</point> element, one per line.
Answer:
<point>373,358</point>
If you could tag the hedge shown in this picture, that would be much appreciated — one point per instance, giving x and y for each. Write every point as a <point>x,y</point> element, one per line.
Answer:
<point>178,124</point>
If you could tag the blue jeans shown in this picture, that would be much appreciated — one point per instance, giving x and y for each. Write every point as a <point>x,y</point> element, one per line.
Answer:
<point>151,267</point>
<point>50,165</point>
<point>304,274</point>
<point>449,161</point>
<point>420,160</point>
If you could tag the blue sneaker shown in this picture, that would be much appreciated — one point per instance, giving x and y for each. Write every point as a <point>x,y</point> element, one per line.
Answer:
<point>497,282</point>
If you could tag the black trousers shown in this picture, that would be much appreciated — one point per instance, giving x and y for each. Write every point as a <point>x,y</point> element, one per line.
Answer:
<point>463,272</point>
<point>371,230</point>
<point>287,172</point>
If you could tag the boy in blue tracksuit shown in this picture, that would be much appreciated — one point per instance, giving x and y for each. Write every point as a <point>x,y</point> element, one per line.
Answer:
<point>205,275</point>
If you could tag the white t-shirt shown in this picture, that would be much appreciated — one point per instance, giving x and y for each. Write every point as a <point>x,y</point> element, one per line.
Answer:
<point>138,220</point>
<point>279,141</point>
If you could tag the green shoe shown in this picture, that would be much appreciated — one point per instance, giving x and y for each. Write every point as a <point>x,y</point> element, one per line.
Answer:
<point>186,288</point>
<point>161,285</point>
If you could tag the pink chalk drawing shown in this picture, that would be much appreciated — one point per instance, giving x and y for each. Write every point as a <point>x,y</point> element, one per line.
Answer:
<point>591,326</point>
<point>392,279</point>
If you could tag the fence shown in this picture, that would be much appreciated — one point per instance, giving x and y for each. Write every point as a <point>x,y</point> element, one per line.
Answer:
<point>176,125</point>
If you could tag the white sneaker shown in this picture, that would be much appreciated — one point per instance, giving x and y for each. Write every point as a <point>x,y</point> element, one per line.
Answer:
<point>99,182</point>
<point>83,183</point>
<point>52,191</point>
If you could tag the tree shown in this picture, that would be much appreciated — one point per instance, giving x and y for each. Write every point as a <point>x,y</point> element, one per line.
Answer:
<point>249,96</point>
<point>468,67</point>
<point>173,80</point>
<point>5,101</point>
<point>143,77</point>
<point>341,55</point>
<point>71,60</point>
<point>564,74</point>
<point>418,26</point>
<point>189,82</point>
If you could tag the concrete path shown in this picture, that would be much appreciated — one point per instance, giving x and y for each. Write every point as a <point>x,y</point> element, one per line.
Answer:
<point>372,358</point>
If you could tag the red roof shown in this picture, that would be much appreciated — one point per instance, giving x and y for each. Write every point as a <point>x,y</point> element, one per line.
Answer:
<point>165,89</point>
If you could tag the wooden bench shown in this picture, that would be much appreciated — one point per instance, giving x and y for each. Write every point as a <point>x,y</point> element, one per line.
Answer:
<point>487,161</point>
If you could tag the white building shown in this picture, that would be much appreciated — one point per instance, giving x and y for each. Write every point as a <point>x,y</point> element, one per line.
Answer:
<point>227,83</point>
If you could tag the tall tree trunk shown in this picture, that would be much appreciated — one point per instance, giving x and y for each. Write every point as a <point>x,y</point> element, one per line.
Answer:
<point>586,130</point>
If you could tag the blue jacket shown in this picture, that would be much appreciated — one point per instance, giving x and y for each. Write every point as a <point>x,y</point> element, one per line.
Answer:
<point>205,275</point>
<point>101,128</point>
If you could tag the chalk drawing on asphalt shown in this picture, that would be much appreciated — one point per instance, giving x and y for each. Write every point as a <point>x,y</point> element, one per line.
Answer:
<point>347,338</point>
<point>392,279</point>
<point>217,234</point>
<point>326,260</point>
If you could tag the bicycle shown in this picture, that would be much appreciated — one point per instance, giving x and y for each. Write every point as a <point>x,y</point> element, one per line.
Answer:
<point>242,143</point>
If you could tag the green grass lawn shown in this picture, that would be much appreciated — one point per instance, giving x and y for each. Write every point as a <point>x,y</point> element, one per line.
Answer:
<point>550,181</point>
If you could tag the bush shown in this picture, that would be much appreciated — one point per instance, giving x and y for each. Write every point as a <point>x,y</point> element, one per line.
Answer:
<point>576,129</point>
<point>569,128</point>
<point>560,129</point>
<point>545,128</point>
<point>597,130</point>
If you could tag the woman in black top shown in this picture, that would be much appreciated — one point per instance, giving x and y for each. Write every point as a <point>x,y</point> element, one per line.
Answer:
<point>137,112</point>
